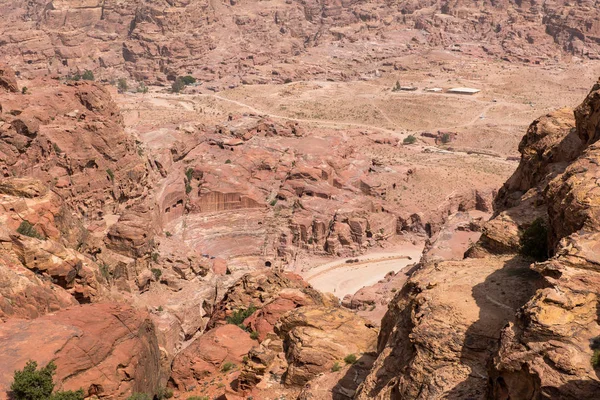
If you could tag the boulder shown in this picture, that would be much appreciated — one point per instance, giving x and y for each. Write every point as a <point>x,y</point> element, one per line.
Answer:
<point>108,350</point>
<point>206,355</point>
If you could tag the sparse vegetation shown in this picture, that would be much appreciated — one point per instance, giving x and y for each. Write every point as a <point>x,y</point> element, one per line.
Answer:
<point>228,161</point>
<point>254,335</point>
<point>350,359</point>
<point>239,315</point>
<point>27,229</point>
<point>142,88</point>
<point>595,345</point>
<point>111,174</point>
<point>57,149</point>
<point>396,87</point>
<point>122,85</point>
<point>187,79</point>
<point>24,90</point>
<point>105,270</point>
<point>139,396</point>
<point>87,75</point>
<point>410,139</point>
<point>155,257</point>
<point>445,138</point>
<point>189,174</point>
<point>164,393</point>
<point>157,273</point>
<point>534,241</point>
<point>168,234</point>
<point>227,366</point>
<point>273,202</point>
<point>336,367</point>
<point>32,383</point>
<point>188,187</point>
<point>198,398</point>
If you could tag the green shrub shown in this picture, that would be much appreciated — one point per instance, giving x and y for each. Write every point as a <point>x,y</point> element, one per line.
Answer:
<point>534,241</point>
<point>157,273</point>
<point>228,161</point>
<point>139,396</point>
<point>350,359</point>
<point>27,229</point>
<point>396,87</point>
<point>68,395</point>
<point>122,85</point>
<point>254,335</point>
<point>410,139</point>
<point>142,88</point>
<point>24,90</point>
<point>273,202</point>
<point>88,75</point>
<point>188,187</point>
<point>111,174</point>
<point>187,80</point>
<point>446,138</point>
<point>33,384</point>
<point>198,398</point>
<point>239,315</point>
<point>168,234</point>
<point>336,367</point>
<point>227,366</point>
<point>57,149</point>
<point>189,174</point>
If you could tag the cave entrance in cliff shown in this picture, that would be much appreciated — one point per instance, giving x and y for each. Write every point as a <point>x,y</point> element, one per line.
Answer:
<point>268,264</point>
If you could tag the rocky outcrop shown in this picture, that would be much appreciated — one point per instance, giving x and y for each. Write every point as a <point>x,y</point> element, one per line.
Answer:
<point>207,355</point>
<point>270,293</point>
<point>108,350</point>
<point>314,338</point>
<point>498,325</point>
<point>8,81</point>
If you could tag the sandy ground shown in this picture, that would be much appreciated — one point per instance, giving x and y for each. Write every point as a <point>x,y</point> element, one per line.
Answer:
<point>342,278</point>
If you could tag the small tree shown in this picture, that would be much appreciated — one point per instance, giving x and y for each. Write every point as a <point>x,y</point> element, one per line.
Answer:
<point>445,138</point>
<point>24,90</point>
<point>88,75</point>
<point>33,384</point>
<point>178,85</point>
<point>187,80</point>
<point>122,85</point>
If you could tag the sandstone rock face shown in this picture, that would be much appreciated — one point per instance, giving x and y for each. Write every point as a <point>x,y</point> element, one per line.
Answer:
<point>8,81</point>
<point>271,293</point>
<point>314,338</point>
<point>160,40</point>
<point>443,326</point>
<point>108,350</point>
<point>226,343</point>
<point>525,333</point>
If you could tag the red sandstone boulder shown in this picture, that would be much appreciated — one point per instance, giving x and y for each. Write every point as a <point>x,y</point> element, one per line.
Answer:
<point>108,350</point>
<point>8,81</point>
<point>227,343</point>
